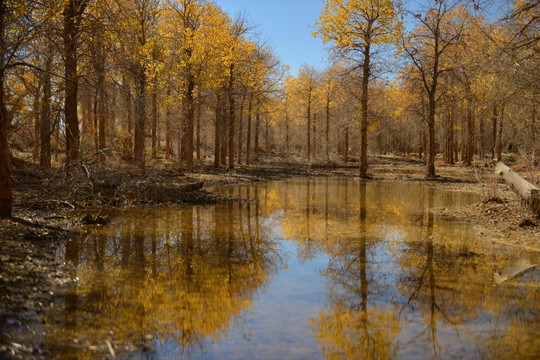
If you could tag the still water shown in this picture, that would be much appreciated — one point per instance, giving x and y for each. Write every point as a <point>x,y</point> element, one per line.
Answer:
<point>300,269</point>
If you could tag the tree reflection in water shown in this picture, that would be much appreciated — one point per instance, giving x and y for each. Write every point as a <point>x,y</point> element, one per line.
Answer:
<point>182,276</point>
<point>397,281</point>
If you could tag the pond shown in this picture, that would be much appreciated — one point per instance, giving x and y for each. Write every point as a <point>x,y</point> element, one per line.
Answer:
<point>299,269</point>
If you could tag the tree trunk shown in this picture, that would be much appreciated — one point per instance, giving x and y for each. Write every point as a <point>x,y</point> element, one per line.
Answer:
<point>72,16</point>
<point>140,116</point>
<point>327,133</point>
<point>168,140</point>
<point>528,191</point>
<point>95,122</point>
<point>198,130</point>
<point>248,135</point>
<point>154,121</point>
<point>129,117</point>
<point>364,111</point>
<point>101,108</point>
<point>308,128</point>
<point>45,120</point>
<point>240,138</point>
<point>217,129</point>
<point>188,121</point>
<point>470,134</point>
<point>257,125</point>
<point>266,137</point>
<point>499,134</point>
<point>314,142</point>
<point>231,128</point>
<point>346,147</point>
<point>287,149</point>
<point>6,182</point>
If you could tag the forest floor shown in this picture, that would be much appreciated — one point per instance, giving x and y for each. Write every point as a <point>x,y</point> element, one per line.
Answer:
<point>32,274</point>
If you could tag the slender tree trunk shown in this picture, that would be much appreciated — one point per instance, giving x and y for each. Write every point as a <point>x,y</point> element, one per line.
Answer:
<point>101,108</point>
<point>224,133</point>
<point>6,182</point>
<point>308,129</point>
<point>168,129</point>
<point>481,138</point>
<point>470,134</point>
<point>533,126</point>
<point>314,142</point>
<point>240,137</point>
<point>198,130</point>
<point>217,129</point>
<point>140,116</point>
<point>346,146</point>
<point>327,133</point>
<point>154,121</point>
<point>257,125</point>
<point>248,135</point>
<point>364,111</point>
<point>129,113</point>
<point>45,121</point>
<point>450,139</point>
<point>187,128</point>
<point>494,119</point>
<point>499,135</point>
<point>266,137</point>
<point>231,121</point>
<point>95,125</point>
<point>287,145</point>
<point>36,114</point>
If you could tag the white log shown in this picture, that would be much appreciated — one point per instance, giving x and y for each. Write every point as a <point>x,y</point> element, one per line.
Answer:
<point>524,188</point>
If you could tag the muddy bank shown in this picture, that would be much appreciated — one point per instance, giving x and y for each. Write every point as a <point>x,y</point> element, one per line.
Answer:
<point>32,275</point>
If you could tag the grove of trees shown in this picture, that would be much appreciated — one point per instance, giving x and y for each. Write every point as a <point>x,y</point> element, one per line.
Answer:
<point>181,83</point>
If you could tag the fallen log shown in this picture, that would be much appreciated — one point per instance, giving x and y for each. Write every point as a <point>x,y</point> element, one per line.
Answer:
<point>529,192</point>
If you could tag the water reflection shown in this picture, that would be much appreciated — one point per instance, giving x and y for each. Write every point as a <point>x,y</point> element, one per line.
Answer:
<point>178,276</point>
<point>391,279</point>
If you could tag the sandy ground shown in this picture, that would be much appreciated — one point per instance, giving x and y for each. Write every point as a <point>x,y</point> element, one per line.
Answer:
<point>31,272</point>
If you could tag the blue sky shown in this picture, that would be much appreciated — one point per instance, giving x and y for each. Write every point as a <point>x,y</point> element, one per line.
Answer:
<point>286,26</point>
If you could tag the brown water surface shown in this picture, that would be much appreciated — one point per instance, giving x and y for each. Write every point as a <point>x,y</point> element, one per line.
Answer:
<point>300,269</point>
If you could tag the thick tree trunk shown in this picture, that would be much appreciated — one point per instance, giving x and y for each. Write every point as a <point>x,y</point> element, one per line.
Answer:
<point>6,182</point>
<point>72,12</point>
